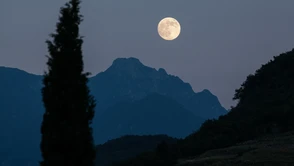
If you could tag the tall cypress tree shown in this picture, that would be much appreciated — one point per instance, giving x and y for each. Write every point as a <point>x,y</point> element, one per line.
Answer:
<point>69,108</point>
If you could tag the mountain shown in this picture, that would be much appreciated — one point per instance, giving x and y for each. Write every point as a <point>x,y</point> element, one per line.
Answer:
<point>20,116</point>
<point>153,114</point>
<point>128,146</point>
<point>127,81</point>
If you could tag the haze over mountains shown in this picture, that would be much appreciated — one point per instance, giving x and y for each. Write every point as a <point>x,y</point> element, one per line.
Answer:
<point>131,99</point>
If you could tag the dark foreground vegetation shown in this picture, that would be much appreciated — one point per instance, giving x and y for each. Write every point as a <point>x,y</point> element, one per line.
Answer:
<point>275,150</point>
<point>127,147</point>
<point>265,106</point>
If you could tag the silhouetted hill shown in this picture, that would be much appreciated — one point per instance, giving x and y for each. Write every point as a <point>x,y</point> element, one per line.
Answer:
<point>127,147</point>
<point>269,150</point>
<point>265,106</point>
<point>153,114</point>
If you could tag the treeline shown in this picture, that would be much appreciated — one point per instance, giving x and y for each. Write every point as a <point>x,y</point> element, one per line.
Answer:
<point>265,106</point>
<point>127,147</point>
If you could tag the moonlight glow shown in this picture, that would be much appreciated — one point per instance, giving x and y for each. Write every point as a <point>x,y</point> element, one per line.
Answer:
<point>169,28</point>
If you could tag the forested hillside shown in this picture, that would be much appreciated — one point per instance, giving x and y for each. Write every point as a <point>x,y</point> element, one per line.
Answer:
<point>127,147</point>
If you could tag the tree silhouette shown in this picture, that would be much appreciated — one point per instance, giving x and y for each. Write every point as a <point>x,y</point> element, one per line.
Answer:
<point>69,108</point>
<point>162,149</point>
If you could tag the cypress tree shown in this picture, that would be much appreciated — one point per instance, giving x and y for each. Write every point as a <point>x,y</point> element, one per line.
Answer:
<point>69,108</point>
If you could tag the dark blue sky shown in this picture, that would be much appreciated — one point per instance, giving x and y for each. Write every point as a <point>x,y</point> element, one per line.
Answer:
<point>221,42</point>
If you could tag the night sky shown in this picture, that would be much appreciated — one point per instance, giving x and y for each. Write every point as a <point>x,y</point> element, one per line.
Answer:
<point>221,42</point>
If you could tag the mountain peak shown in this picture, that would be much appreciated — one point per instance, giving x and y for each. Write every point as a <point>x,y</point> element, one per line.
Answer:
<point>126,67</point>
<point>123,63</point>
<point>161,70</point>
<point>206,91</point>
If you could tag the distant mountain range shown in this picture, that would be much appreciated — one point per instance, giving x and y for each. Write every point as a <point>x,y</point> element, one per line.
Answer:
<point>131,99</point>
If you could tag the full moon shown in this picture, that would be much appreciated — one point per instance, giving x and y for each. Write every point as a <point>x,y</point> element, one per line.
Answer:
<point>169,28</point>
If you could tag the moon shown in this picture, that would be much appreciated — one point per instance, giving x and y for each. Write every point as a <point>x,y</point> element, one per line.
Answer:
<point>169,28</point>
